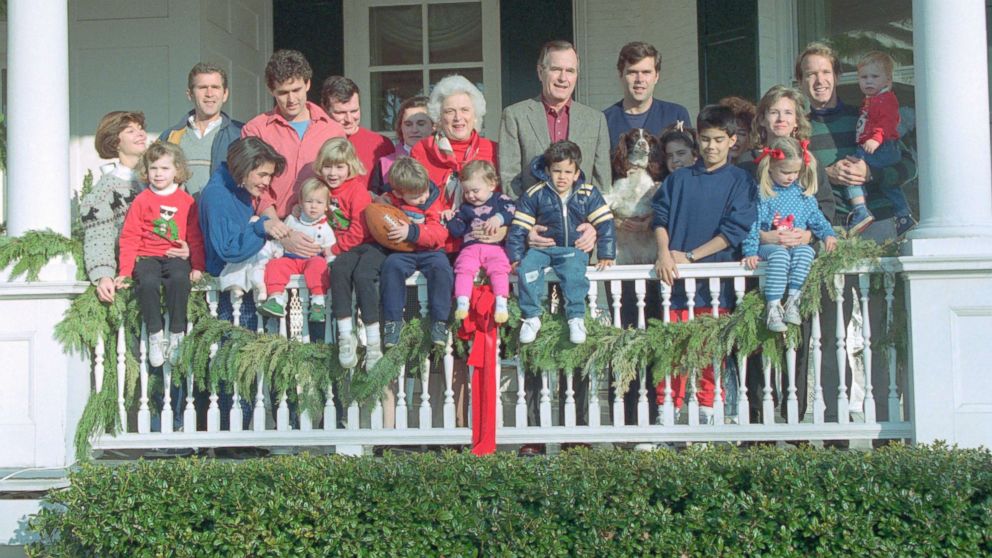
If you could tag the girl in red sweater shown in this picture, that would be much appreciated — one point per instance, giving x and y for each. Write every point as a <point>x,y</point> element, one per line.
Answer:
<point>358,257</point>
<point>162,217</point>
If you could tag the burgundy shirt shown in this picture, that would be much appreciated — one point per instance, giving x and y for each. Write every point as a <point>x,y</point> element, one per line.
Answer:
<point>557,121</point>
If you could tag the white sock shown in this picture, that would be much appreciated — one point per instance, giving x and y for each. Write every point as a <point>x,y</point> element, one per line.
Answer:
<point>344,327</point>
<point>372,333</point>
<point>462,302</point>
<point>280,298</point>
<point>317,299</point>
<point>501,304</point>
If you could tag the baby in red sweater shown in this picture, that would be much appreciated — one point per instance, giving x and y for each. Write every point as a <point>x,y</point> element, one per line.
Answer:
<point>161,217</point>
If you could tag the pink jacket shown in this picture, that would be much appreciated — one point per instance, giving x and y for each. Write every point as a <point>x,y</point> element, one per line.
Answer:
<point>300,154</point>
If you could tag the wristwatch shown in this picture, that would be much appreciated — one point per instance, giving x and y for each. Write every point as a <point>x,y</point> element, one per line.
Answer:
<point>690,257</point>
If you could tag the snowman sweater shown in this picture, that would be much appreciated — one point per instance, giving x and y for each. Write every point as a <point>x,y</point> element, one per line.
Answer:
<point>156,222</point>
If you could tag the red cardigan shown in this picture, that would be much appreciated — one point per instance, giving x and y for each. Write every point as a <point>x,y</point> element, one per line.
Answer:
<point>351,198</point>
<point>147,231</point>
<point>440,165</point>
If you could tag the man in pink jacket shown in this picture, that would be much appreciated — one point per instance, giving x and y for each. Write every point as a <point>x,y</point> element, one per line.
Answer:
<point>296,128</point>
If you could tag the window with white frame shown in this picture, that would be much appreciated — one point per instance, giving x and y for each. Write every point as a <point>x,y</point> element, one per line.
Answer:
<point>396,49</point>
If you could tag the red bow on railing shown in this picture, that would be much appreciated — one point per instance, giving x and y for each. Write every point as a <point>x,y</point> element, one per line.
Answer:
<point>481,328</point>
<point>776,154</point>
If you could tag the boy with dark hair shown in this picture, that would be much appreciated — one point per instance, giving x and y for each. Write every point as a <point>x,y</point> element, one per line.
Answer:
<point>703,213</point>
<point>205,132</point>
<point>561,202</point>
<point>414,193</point>
<point>339,96</point>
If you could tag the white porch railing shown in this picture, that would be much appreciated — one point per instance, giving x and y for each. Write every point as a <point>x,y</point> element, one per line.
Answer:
<point>854,386</point>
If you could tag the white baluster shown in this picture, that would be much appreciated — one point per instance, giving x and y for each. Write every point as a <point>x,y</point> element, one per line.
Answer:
<point>448,410</point>
<point>189,413</point>
<point>594,399</point>
<point>286,330</point>
<point>692,400</point>
<point>819,405</point>
<point>615,293</point>
<point>144,413</point>
<point>259,412</point>
<point>668,407</point>
<point>767,403</point>
<point>425,397</point>
<point>864,284</point>
<point>167,416</point>
<point>843,413</point>
<point>330,410</point>
<point>569,399</point>
<point>545,400</point>
<point>593,295</point>
<point>718,407</point>
<point>401,409</point>
<point>98,370</point>
<point>306,423</point>
<point>376,418</point>
<point>121,377</point>
<point>213,410</point>
<point>499,384</point>
<point>743,404</point>
<point>282,414</point>
<point>640,291</point>
<point>895,408</point>
<point>521,406</point>
<point>236,415</point>
<point>791,402</point>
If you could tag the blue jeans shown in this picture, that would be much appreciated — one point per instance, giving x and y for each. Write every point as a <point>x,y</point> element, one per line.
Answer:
<point>398,266</point>
<point>570,266</point>
<point>886,155</point>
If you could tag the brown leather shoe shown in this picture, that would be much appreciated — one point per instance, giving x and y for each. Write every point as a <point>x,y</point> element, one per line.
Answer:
<point>531,450</point>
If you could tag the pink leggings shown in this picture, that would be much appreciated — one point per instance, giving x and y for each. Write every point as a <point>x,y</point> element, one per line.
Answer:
<point>490,257</point>
<point>314,271</point>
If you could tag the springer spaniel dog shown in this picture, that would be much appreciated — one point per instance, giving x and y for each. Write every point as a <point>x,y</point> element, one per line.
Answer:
<point>637,167</point>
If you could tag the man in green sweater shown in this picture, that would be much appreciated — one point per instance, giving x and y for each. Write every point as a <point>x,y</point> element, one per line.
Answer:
<point>834,142</point>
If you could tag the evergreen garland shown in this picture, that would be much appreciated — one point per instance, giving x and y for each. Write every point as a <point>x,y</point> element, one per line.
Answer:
<point>31,252</point>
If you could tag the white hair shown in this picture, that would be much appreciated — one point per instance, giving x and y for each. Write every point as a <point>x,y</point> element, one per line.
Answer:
<point>451,85</point>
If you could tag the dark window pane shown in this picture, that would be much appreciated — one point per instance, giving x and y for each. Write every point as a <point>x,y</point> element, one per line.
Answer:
<point>472,74</point>
<point>395,35</point>
<point>388,90</point>
<point>455,32</point>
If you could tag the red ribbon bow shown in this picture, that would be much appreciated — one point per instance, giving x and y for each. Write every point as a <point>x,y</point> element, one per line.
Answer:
<point>481,328</point>
<point>776,154</point>
<point>804,144</point>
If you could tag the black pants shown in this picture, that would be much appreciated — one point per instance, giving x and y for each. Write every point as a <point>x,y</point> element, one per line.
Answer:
<point>358,270</point>
<point>152,273</point>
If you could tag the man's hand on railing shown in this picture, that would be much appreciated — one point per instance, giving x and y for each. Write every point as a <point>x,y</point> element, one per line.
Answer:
<point>181,250</point>
<point>666,268</point>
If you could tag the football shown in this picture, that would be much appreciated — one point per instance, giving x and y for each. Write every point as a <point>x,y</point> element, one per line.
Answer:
<point>379,218</point>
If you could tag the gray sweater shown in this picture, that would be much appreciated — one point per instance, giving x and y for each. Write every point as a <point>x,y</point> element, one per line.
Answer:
<point>102,212</point>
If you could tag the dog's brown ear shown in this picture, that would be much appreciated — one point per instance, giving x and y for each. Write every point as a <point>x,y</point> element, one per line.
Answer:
<point>619,162</point>
<point>656,159</point>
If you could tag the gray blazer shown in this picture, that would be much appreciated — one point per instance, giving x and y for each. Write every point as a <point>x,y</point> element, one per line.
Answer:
<point>523,135</point>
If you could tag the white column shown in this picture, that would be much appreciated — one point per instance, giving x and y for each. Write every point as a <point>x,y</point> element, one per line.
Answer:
<point>38,116</point>
<point>952,100</point>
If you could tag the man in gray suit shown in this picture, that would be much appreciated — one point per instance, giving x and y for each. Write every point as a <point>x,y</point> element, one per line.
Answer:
<point>529,127</point>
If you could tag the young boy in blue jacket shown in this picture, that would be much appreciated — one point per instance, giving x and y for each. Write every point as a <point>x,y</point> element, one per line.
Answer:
<point>561,202</point>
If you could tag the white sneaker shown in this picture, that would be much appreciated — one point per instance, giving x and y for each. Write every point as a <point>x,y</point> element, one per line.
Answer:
<point>373,352</point>
<point>348,350</point>
<point>156,354</point>
<point>528,329</point>
<point>577,330</point>
<point>174,340</point>
<point>791,311</point>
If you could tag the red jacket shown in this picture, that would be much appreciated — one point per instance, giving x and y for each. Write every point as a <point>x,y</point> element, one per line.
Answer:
<point>426,232</point>
<point>351,198</point>
<point>879,118</point>
<point>440,165</point>
<point>155,223</point>
<point>300,154</point>
<point>370,146</point>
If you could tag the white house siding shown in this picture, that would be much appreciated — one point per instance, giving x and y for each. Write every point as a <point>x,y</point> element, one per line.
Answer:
<point>602,28</point>
<point>778,42</point>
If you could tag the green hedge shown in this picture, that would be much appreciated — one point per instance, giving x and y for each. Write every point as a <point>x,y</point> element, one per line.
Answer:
<point>897,501</point>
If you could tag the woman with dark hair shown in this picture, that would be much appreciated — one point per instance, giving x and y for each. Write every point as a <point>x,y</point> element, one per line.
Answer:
<point>231,232</point>
<point>412,125</point>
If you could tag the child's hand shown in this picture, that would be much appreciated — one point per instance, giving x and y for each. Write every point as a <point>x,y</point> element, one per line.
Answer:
<point>870,146</point>
<point>635,224</point>
<point>179,250</point>
<point>514,266</point>
<point>399,232</point>
<point>751,262</point>
<point>830,243</point>
<point>492,225</point>
<point>121,282</point>
<point>195,276</point>
<point>447,214</point>
<point>382,199</point>
<point>603,264</point>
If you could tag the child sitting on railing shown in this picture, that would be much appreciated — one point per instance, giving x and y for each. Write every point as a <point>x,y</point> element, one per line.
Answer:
<point>159,218</point>
<point>787,179</point>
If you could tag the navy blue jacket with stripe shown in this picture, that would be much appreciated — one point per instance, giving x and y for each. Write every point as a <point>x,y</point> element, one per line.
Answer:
<point>541,205</point>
